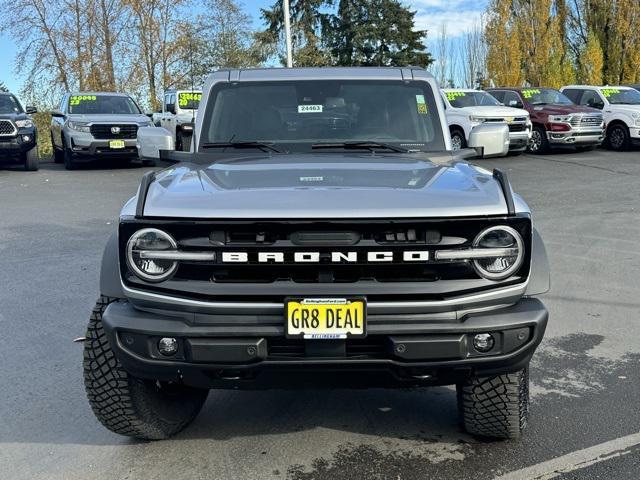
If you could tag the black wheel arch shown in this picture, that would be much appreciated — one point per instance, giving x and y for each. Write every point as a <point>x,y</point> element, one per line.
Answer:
<point>110,283</point>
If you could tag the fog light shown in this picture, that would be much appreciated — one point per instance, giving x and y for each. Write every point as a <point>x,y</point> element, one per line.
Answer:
<point>168,346</point>
<point>26,138</point>
<point>483,342</point>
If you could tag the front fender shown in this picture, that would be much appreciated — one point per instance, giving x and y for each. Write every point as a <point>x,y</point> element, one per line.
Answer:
<point>110,284</point>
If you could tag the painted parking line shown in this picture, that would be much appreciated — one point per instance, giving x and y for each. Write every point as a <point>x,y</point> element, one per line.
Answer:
<point>575,460</point>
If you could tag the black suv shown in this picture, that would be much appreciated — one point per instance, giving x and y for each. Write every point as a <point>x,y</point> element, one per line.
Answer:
<point>17,133</point>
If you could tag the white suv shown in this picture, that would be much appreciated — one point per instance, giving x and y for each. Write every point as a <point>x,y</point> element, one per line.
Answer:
<point>179,112</point>
<point>620,107</point>
<point>469,108</point>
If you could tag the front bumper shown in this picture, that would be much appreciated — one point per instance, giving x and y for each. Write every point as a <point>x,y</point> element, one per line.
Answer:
<point>576,137</point>
<point>518,141</point>
<point>253,352</point>
<point>84,145</point>
<point>24,141</point>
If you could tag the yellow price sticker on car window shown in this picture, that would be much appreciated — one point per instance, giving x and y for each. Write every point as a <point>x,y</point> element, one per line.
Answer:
<point>530,92</point>
<point>607,92</point>
<point>422,105</point>
<point>453,95</point>
<point>185,98</point>
<point>78,99</point>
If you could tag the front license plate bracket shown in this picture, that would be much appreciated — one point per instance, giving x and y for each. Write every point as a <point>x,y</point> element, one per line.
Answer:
<point>325,318</point>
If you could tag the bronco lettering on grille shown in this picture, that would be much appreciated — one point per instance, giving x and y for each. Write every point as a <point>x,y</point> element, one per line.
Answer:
<point>331,257</point>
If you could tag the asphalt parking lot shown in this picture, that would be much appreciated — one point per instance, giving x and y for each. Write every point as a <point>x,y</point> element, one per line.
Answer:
<point>585,377</point>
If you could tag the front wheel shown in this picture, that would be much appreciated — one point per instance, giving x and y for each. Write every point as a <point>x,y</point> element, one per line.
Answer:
<point>497,406</point>
<point>458,142</point>
<point>538,143</point>
<point>130,406</point>
<point>31,160</point>
<point>183,142</point>
<point>618,137</point>
<point>69,162</point>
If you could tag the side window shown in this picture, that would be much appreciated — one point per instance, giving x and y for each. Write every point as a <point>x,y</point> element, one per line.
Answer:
<point>167,101</point>
<point>498,95</point>
<point>511,99</point>
<point>63,104</point>
<point>574,95</point>
<point>591,98</point>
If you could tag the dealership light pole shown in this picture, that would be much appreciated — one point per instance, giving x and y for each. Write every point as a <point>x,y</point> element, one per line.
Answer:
<point>287,32</point>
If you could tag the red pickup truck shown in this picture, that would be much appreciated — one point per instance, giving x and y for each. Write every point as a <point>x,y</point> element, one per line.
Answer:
<point>557,121</point>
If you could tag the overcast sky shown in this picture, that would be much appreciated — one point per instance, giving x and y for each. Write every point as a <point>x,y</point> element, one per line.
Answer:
<point>459,16</point>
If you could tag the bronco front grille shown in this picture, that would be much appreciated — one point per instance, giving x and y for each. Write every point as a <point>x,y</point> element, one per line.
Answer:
<point>254,278</point>
<point>7,128</point>
<point>102,131</point>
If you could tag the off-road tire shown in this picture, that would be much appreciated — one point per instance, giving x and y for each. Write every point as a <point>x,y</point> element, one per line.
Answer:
<point>130,406</point>
<point>31,160</point>
<point>539,144</point>
<point>458,142</point>
<point>495,407</point>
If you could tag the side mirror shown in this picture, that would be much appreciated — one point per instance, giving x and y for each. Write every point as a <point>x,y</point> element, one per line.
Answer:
<point>57,114</point>
<point>151,140</point>
<point>490,140</point>
<point>149,114</point>
<point>515,104</point>
<point>171,108</point>
<point>31,110</point>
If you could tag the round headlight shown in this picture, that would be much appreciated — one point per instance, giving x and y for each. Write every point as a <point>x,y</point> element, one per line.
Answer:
<point>498,267</point>
<point>140,249</point>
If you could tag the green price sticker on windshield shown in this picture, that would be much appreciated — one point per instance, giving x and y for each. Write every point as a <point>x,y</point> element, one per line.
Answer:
<point>607,92</point>
<point>185,98</point>
<point>530,92</point>
<point>422,105</point>
<point>451,96</point>
<point>78,99</point>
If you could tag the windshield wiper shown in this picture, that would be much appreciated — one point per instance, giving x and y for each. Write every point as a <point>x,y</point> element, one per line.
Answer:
<point>265,147</point>
<point>366,144</point>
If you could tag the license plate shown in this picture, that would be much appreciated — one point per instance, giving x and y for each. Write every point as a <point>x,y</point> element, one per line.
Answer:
<point>115,144</point>
<point>326,318</point>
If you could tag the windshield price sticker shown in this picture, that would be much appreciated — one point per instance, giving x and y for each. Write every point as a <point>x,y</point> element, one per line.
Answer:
<point>187,97</point>
<point>607,92</point>
<point>451,96</point>
<point>309,108</point>
<point>422,105</point>
<point>530,92</point>
<point>78,99</point>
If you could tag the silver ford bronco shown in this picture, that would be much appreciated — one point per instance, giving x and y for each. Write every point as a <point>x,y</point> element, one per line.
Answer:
<point>320,232</point>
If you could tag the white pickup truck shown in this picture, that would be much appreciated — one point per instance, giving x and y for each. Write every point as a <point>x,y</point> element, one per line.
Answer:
<point>179,112</point>
<point>620,107</point>
<point>468,108</point>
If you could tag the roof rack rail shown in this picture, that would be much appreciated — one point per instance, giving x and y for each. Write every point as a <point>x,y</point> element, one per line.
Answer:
<point>145,183</point>
<point>502,179</point>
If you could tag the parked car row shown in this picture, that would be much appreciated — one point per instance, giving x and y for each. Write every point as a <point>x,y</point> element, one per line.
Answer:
<point>578,116</point>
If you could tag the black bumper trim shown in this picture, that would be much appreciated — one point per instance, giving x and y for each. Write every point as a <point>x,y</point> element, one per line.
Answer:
<point>121,317</point>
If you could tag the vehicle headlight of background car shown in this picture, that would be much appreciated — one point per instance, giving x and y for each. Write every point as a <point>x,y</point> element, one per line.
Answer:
<point>82,127</point>
<point>24,123</point>
<point>476,119</point>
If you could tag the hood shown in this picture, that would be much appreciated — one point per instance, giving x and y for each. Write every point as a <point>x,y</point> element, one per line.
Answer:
<point>623,108</point>
<point>563,109</point>
<point>13,116</point>
<point>495,111</point>
<point>324,186</point>
<point>125,118</point>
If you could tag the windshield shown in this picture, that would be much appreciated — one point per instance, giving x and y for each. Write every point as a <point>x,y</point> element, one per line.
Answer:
<point>9,104</point>
<point>471,99</point>
<point>619,96</point>
<point>545,96</point>
<point>102,105</point>
<point>189,100</point>
<point>295,115</point>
